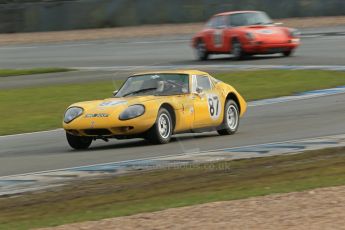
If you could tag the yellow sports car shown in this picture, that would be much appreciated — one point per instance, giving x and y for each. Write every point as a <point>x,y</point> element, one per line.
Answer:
<point>154,106</point>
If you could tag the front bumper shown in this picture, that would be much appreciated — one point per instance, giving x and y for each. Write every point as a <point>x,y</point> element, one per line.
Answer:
<point>109,127</point>
<point>259,47</point>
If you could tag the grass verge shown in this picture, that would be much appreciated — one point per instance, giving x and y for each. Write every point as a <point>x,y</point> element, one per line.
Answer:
<point>17,72</point>
<point>42,108</point>
<point>166,188</point>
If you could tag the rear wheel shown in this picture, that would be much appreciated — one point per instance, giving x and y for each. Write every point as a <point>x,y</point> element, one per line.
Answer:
<point>231,119</point>
<point>161,131</point>
<point>201,51</point>
<point>78,142</point>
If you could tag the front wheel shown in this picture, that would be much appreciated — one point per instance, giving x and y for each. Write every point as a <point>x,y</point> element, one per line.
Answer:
<point>237,50</point>
<point>161,131</point>
<point>231,119</point>
<point>287,53</point>
<point>78,142</point>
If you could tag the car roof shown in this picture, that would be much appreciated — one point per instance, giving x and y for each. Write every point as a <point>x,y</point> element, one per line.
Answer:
<point>236,12</point>
<point>189,72</point>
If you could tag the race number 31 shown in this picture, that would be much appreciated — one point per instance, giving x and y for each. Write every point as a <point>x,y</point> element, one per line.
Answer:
<point>214,106</point>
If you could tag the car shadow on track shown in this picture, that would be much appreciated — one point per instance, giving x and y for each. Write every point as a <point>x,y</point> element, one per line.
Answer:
<point>142,143</point>
<point>221,60</point>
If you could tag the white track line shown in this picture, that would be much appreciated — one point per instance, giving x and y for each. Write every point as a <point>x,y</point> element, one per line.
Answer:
<point>172,155</point>
<point>31,133</point>
<point>38,46</point>
<point>222,66</point>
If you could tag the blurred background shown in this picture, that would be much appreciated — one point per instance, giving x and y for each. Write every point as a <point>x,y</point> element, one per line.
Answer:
<point>53,15</point>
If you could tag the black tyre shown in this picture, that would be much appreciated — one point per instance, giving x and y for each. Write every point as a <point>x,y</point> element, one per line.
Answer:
<point>231,119</point>
<point>78,142</point>
<point>161,131</point>
<point>237,51</point>
<point>201,51</point>
<point>287,53</point>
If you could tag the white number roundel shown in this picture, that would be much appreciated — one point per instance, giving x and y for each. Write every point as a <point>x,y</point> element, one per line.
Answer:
<point>214,106</point>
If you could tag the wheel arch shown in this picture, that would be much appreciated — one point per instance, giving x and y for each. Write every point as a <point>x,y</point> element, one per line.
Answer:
<point>233,96</point>
<point>197,40</point>
<point>234,39</point>
<point>171,110</point>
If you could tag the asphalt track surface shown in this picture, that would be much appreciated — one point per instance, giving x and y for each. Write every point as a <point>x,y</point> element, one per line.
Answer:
<point>102,59</point>
<point>315,50</point>
<point>262,124</point>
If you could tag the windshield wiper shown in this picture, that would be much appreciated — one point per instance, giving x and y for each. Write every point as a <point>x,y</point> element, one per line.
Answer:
<point>139,91</point>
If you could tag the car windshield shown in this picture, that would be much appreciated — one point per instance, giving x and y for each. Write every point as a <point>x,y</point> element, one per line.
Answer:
<point>250,18</point>
<point>155,84</point>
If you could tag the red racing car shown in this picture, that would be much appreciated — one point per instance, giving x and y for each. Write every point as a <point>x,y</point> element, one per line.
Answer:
<point>244,33</point>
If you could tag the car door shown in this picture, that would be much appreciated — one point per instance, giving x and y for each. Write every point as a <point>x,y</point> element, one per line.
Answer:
<point>234,24</point>
<point>218,31</point>
<point>207,103</point>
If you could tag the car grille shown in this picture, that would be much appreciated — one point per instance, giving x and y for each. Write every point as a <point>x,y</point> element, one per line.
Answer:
<point>97,132</point>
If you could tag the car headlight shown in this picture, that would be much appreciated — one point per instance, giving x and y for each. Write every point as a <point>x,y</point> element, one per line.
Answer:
<point>294,33</point>
<point>132,111</point>
<point>72,113</point>
<point>250,36</point>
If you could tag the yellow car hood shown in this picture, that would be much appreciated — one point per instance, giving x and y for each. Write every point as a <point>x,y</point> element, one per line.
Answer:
<point>115,105</point>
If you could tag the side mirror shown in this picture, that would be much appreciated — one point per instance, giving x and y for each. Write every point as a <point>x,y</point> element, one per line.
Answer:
<point>278,23</point>
<point>199,90</point>
<point>115,92</point>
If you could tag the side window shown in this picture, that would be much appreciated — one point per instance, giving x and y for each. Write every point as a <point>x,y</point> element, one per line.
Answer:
<point>217,22</point>
<point>228,21</point>
<point>238,19</point>
<point>221,22</point>
<point>204,82</point>
<point>212,23</point>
